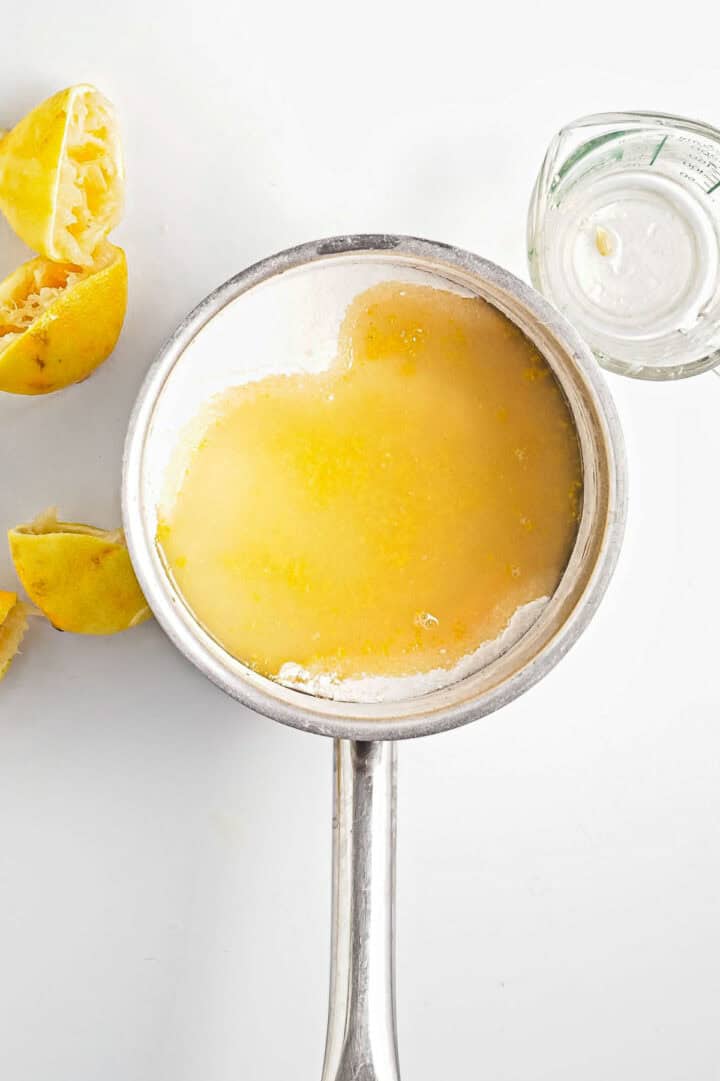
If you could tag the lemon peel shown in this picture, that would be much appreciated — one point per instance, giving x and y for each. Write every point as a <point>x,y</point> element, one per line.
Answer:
<point>13,625</point>
<point>59,322</point>
<point>62,176</point>
<point>79,576</point>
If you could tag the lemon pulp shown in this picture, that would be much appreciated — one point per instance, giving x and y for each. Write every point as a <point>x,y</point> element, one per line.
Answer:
<point>42,284</point>
<point>91,177</point>
<point>386,516</point>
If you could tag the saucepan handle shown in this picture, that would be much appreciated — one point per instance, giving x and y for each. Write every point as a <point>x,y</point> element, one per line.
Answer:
<point>362,1039</point>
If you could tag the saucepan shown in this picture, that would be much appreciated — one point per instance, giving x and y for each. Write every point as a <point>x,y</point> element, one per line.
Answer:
<point>290,306</point>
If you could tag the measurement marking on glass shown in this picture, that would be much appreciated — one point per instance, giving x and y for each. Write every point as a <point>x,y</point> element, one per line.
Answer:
<point>715,186</point>
<point>658,148</point>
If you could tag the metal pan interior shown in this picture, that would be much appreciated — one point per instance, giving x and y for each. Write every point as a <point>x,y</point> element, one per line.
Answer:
<point>295,301</point>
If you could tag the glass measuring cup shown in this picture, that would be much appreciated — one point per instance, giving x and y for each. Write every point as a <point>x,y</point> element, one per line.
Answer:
<point>624,238</point>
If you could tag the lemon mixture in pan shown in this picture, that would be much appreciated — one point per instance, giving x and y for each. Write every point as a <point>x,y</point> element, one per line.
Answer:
<point>386,516</point>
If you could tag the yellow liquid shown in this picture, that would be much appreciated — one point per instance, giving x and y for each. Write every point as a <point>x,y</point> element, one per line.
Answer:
<point>386,516</point>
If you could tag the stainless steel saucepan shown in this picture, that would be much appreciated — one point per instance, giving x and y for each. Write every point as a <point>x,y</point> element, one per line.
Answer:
<point>290,306</point>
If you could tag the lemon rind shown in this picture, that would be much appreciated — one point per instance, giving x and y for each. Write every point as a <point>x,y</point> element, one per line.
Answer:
<point>48,522</point>
<point>12,631</point>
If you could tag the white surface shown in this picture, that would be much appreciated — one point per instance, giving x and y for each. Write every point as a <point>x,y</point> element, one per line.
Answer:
<point>164,855</point>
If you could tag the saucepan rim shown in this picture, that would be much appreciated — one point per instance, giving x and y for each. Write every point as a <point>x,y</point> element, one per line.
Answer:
<point>584,581</point>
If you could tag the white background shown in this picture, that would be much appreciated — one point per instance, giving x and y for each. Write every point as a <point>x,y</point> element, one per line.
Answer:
<point>164,854</point>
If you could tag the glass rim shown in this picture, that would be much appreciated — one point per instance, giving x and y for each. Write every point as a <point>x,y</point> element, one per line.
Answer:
<point>633,120</point>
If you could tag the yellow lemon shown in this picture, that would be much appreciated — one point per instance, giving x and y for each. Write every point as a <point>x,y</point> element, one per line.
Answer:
<point>62,177</point>
<point>59,322</point>
<point>80,577</point>
<point>13,624</point>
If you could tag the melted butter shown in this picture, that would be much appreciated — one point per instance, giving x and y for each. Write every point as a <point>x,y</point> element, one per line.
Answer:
<point>387,516</point>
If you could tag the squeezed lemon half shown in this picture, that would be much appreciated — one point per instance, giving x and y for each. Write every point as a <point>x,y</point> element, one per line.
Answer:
<point>13,625</point>
<point>62,176</point>
<point>79,577</point>
<point>58,322</point>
